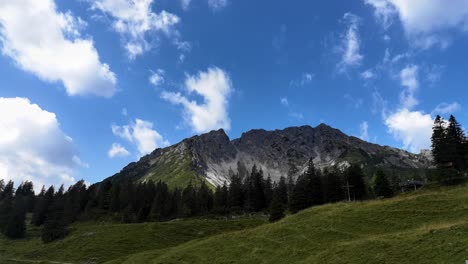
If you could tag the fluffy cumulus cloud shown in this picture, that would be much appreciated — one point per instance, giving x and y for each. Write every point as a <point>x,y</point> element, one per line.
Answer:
<point>33,147</point>
<point>409,80</point>
<point>117,150</point>
<point>142,134</point>
<point>445,108</point>
<point>43,41</point>
<point>284,101</point>
<point>413,128</point>
<point>214,86</point>
<point>217,5</point>
<point>134,19</point>
<point>424,21</point>
<point>351,42</point>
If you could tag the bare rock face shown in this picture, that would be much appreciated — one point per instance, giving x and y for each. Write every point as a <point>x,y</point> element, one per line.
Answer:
<point>214,157</point>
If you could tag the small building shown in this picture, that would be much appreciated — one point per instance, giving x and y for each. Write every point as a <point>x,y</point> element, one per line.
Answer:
<point>411,185</point>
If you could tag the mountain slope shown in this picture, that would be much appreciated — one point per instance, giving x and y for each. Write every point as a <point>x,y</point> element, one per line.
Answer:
<point>213,157</point>
<point>428,226</point>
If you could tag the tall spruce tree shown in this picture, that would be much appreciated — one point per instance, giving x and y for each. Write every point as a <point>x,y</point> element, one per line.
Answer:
<point>299,198</point>
<point>438,142</point>
<point>333,186</point>
<point>42,206</point>
<point>382,186</point>
<point>313,185</point>
<point>355,178</point>
<point>282,190</point>
<point>277,206</point>
<point>455,140</point>
<point>16,223</point>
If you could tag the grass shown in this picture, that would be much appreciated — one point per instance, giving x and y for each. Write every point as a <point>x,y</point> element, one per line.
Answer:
<point>429,226</point>
<point>101,242</point>
<point>175,170</point>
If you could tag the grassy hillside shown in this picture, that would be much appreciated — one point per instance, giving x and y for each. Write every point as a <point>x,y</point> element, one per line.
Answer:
<point>429,226</point>
<point>98,243</point>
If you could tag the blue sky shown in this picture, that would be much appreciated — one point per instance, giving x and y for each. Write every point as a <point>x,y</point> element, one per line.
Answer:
<point>88,86</point>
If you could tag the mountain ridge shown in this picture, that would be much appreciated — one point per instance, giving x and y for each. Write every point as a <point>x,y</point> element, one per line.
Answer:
<point>213,157</point>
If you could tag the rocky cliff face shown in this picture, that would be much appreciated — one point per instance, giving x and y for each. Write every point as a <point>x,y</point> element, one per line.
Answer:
<point>213,157</point>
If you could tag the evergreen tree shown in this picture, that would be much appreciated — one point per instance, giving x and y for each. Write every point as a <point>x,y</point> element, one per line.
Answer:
<point>55,226</point>
<point>205,199</point>
<point>42,206</point>
<point>268,191</point>
<point>382,186</point>
<point>438,142</point>
<point>189,202</point>
<point>6,207</point>
<point>221,199</point>
<point>299,197</point>
<point>455,140</point>
<point>16,223</point>
<point>276,207</point>
<point>333,186</point>
<point>313,185</point>
<point>161,198</point>
<point>355,178</point>
<point>236,194</point>
<point>282,190</point>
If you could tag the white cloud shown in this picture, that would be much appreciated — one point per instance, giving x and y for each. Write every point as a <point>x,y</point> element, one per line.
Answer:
<point>33,147</point>
<point>425,21</point>
<point>185,4</point>
<point>413,128</point>
<point>157,77</point>
<point>409,79</point>
<point>215,87</point>
<point>133,19</point>
<point>350,46</point>
<point>384,11</point>
<point>217,5</point>
<point>367,74</point>
<point>142,134</point>
<point>124,111</point>
<point>364,131</point>
<point>43,41</point>
<point>117,150</point>
<point>445,108</point>
<point>284,101</point>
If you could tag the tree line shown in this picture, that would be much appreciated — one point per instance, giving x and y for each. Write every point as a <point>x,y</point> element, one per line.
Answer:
<point>136,202</point>
<point>449,150</point>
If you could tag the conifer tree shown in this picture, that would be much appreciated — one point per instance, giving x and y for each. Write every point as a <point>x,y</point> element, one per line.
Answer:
<point>42,206</point>
<point>16,223</point>
<point>355,178</point>
<point>277,206</point>
<point>282,190</point>
<point>299,199</point>
<point>236,194</point>
<point>382,186</point>
<point>455,140</point>
<point>313,185</point>
<point>55,226</point>
<point>333,186</point>
<point>438,141</point>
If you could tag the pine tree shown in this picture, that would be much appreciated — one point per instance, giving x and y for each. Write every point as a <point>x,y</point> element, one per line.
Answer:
<point>299,198</point>
<point>205,199</point>
<point>221,199</point>
<point>438,142</point>
<point>355,178</point>
<point>276,207</point>
<point>382,186</point>
<point>455,139</point>
<point>268,191</point>
<point>6,207</point>
<point>282,190</point>
<point>55,226</point>
<point>16,223</point>
<point>42,206</point>
<point>236,194</point>
<point>313,185</point>
<point>333,186</point>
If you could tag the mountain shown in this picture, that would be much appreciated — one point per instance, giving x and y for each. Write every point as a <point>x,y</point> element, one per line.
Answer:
<point>213,157</point>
